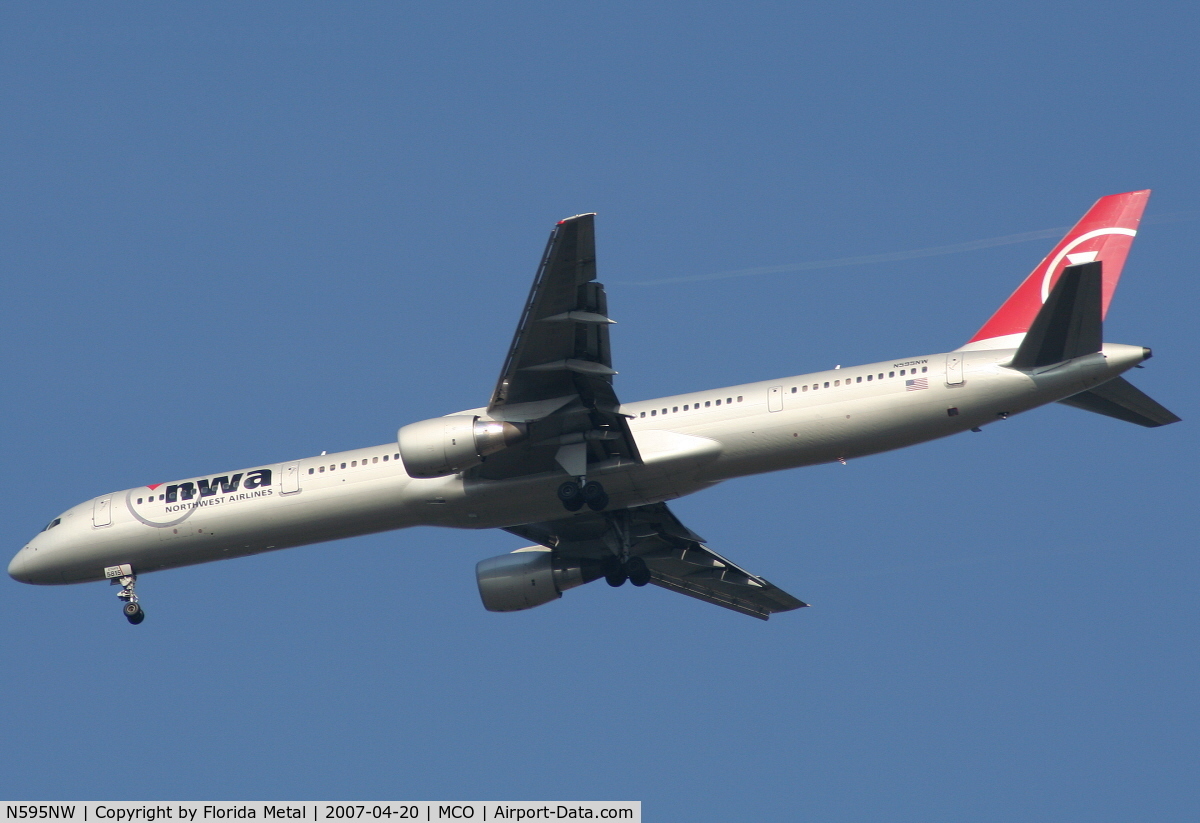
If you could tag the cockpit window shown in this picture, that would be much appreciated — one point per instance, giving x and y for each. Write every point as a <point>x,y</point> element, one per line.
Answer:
<point>52,524</point>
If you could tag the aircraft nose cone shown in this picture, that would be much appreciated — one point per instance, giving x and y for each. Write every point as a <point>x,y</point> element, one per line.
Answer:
<point>21,567</point>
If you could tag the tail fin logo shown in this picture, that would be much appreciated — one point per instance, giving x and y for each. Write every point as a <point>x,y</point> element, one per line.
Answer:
<point>1077,257</point>
<point>1104,234</point>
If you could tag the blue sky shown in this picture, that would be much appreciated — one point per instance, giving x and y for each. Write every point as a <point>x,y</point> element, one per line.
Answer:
<point>236,234</point>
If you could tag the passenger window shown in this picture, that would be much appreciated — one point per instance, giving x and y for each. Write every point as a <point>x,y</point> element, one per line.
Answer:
<point>310,471</point>
<point>343,465</point>
<point>803,388</point>
<point>674,408</point>
<point>718,402</point>
<point>374,459</point>
<point>793,389</point>
<point>643,414</point>
<point>891,374</point>
<point>826,384</point>
<point>728,400</point>
<point>139,501</point>
<point>353,463</point>
<point>385,457</point>
<point>664,411</point>
<point>654,412</point>
<point>869,376</point>
<point>322,469</point>
<point>816,386</point>
<point>924,369</point>
<point>739,398</point>
<point>837,382</point>
<point>902,372</point>
<point>881,375</point>
<point>162,497</point>
<point>707,403</point>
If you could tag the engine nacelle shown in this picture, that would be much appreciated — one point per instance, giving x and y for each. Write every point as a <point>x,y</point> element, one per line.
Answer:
<point>445,445</point>
<point>529,577</point>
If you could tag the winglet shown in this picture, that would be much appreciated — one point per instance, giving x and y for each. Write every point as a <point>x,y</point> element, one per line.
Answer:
<point>1105,233</point>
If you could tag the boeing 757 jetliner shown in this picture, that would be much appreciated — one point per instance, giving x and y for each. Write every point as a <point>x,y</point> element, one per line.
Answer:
<point>555,458</point>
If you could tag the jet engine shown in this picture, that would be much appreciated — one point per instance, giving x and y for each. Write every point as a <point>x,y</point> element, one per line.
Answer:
<point>445,445</point>
<point>529,577</point>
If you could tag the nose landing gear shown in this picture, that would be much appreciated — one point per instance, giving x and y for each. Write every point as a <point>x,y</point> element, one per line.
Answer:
<point>132,609</point>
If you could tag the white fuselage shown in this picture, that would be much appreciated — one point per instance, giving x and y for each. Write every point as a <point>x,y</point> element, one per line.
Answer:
<point>687,443</point>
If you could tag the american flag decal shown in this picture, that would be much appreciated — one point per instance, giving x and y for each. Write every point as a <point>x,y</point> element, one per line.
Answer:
<point>916,385</point>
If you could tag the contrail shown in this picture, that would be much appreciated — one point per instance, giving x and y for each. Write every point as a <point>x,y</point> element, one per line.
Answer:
<point>887,257</point>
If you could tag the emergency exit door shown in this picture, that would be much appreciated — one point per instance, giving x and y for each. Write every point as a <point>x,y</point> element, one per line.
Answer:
<point>775,398</point>
<point>291,478</point>
<point>102,511</point>
<point>954,368</point>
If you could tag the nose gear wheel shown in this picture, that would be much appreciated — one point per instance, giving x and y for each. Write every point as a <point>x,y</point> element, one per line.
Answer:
<point>132,609</point>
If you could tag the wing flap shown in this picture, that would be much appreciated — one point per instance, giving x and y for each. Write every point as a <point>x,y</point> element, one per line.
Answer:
<point>698,571</point>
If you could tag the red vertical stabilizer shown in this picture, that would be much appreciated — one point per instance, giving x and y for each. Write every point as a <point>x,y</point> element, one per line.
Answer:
<point>1105,233</point>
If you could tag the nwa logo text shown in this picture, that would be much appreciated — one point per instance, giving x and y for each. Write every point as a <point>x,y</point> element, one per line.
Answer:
<point>256,479</point>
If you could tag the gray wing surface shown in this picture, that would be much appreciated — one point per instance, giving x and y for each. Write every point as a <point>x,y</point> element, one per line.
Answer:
<point>677,557</point>
<point>558,374</point>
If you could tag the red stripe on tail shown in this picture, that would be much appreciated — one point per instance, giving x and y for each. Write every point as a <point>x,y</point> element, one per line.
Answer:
<point>1105,233</point>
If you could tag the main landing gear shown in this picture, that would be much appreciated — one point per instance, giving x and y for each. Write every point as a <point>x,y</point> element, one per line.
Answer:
<point>634,570</point>
<point>133,610</point>
<point>574,496</point>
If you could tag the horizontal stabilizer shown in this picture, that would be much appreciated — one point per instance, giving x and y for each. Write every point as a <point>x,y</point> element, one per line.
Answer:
<point>1121,399</point>
<point>1069,324</point>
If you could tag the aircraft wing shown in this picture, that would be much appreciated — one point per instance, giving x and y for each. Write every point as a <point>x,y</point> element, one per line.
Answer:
<point>558,374</point>
<point>677,557</point>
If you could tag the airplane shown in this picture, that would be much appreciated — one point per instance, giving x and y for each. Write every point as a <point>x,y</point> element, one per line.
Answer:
<point>556,459</point>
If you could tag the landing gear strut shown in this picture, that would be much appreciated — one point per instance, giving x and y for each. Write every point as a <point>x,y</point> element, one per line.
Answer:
<point>133,610</point>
